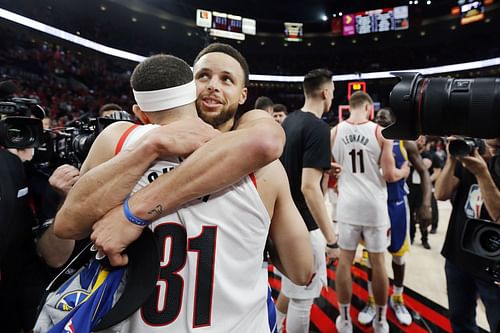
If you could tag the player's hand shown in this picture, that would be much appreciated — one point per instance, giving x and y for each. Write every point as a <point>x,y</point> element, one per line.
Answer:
<point>180,138</point>
<point>63,178</point>
<point>336,169</point>
<point>405,168</point>
<point>112,234</point>
<point>474,163</point>
<point>331,255</point>
<point>424,215</point>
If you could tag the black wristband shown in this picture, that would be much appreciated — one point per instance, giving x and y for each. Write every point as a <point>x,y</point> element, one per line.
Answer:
<point>333,246</point>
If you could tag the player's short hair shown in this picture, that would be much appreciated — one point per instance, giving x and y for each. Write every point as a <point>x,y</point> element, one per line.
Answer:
<point>160,71</point>
<point>314,80</point>
<point>280,108</point>
<point>109,107</point>
<point>263,102</point>
<point>230,51</point>
<point>358,99</point>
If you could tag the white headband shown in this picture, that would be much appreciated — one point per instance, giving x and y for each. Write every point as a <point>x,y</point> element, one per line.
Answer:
<point>164,99</point>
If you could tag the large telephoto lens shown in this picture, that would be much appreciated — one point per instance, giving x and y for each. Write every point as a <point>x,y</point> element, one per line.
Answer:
<point>444,106</point>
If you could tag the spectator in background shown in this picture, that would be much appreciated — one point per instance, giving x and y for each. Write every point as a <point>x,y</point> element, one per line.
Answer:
<point>279,113</point>
<point>433,164</point>
<point>108,109</point>
<point>264,103</point>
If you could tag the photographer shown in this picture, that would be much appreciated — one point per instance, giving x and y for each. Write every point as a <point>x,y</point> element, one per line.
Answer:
<point>20,284</point>
<point>475,184</point>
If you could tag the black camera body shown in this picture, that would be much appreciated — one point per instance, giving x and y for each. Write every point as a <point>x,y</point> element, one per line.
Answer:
<point>71,144</point>
<point>482,238</point>
<point>466,146</point>
<point>17,129</point>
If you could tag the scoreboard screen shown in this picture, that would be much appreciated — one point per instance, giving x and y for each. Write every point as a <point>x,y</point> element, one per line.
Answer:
<point>471,11</point>
<point>225,25</point>
<point>378,20</point>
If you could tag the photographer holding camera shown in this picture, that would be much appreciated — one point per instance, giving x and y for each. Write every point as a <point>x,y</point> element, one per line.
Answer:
<point>475,183</point>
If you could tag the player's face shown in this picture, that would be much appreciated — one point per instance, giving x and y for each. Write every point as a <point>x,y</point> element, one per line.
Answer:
<point>279,116</point>
<point>383,118</point>
<point>220,87</point>
<point>330,89</point>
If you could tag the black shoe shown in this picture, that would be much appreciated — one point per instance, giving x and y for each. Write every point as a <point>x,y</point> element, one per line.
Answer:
<point>426,245</point>
<point>433,230</point>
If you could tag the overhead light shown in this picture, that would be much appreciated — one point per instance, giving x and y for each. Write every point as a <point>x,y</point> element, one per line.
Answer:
<point>262,43</point>
<point>309,44</point>
<point>134,19</point>
<point>340,14</point>
<point>103,8</point>
<point>453,27</point>
<point>415,2</point>
<point>163,27</point>
<point>487,20</point>
<point>332,43</point>
<point>285,44</point>
<point>324,18</point>
<point>422,33</point>
<point>429,2</point>
<point>410,2</point>
<point>78,33</point>
<point>189,33</point>
<point>334,15</point>
<point>354,41</point>
<point>398,36</point>
<point>375,38</point>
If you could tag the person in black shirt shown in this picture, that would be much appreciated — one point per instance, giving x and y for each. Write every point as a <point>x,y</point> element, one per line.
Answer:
<point>475,186</point>
<point>20,285</point>
<point>306,157</point>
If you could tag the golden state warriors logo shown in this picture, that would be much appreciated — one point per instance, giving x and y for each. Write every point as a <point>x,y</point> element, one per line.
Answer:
<point>70,300</point>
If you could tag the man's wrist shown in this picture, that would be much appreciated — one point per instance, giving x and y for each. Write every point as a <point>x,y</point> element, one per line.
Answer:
<point>334,245</point>
<point>131,217</point>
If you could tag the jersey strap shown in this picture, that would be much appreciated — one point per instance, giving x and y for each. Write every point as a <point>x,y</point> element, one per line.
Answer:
<point>124,136</point>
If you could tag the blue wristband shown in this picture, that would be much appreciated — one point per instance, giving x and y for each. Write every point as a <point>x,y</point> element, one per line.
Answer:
<point>131,217</point>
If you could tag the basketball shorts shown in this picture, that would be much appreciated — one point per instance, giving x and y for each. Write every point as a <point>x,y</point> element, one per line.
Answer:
<point>399,213</point>
<point>376,239</point>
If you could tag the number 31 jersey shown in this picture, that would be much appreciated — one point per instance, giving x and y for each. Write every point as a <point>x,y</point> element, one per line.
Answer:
<point>362,196</point>
<point>211,277</point>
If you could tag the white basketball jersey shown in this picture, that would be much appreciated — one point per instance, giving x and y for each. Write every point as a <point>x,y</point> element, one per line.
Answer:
<point>362,189</point>
<point>211,278</point>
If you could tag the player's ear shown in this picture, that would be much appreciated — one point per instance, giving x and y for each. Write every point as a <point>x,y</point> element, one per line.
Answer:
<point>141,115</point>
<point>243,96</point>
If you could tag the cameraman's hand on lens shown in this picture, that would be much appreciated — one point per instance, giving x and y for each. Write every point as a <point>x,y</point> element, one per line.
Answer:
<point>474,163</point>
<point>112,234</point>
<point>63,178</point>
<point>448,140</point>
<point>180,138</point>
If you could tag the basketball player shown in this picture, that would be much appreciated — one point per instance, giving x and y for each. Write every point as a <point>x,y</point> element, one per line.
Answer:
<point>358,145</point>
<point>228,228</point>
<point>306,159</point>
<point>399,216</point>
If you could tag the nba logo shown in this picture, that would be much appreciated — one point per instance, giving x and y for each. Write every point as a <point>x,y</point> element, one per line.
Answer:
<point>474,202</point>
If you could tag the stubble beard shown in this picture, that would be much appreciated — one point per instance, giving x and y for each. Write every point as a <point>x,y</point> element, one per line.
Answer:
<point>216,120</point>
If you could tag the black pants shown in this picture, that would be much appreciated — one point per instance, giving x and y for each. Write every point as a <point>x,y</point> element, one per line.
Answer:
<point>415,201</point>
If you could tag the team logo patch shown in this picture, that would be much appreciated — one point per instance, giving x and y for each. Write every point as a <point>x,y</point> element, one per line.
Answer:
<point>68,328</point>
<point>70,300</point>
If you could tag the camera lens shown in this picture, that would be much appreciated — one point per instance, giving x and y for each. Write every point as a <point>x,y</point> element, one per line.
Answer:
<point>444,106</point>
<point>459,148</point>
<point>489,239</point>
<point>20,135</point>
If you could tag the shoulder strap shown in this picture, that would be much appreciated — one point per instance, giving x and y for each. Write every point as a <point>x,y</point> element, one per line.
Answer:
<point>124,137</point>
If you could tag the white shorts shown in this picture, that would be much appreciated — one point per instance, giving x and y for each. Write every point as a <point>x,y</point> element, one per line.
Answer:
<point>376,239</point>
<point>313,290</point>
